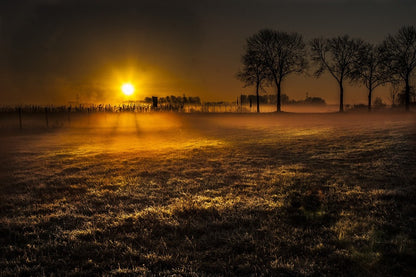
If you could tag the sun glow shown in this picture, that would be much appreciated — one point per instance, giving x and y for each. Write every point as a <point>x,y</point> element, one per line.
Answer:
<point>127,89</point>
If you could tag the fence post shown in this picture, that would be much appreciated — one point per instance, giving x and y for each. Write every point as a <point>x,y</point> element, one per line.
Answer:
<point>20,117</point>
<point>46,117</point>
<point>154,100</point>
<point>88,116</point>
<point>69,115</point>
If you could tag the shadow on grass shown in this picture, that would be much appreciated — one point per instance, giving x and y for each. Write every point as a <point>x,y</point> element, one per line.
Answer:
<point>294,202</point>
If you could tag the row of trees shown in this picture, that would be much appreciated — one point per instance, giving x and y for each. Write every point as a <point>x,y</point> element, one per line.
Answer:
<point>271,56</point>
<point>271,99</point>
<point>176,100</point>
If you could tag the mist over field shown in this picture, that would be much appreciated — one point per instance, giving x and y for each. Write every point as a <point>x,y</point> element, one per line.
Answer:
<point>203,194</point>
<point>207,138</point>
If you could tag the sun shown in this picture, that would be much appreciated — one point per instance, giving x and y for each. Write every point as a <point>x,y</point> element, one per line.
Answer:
<point>127,89</point>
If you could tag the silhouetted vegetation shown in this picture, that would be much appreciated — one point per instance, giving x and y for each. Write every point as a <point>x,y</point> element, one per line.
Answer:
<point>254,71</point>
<point>285,100</point>
<point>400,57</point>
<point>370,69</point>
<point>273,55</point>
<point>270,56</point>
<point>402,96</point>
<point>175,103</point>
<point>337,56</point>
<point>378,102</point>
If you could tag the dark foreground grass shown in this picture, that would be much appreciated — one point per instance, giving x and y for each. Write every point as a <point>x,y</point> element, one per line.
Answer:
<point>197,195</point>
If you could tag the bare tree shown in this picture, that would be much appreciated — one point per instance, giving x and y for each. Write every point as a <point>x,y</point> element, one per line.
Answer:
<point>400,54</point>
<point>283,54</point>
<point>370,69</point>
<point>337,56</point>
<point>394,91</point>
<point>253,71</point>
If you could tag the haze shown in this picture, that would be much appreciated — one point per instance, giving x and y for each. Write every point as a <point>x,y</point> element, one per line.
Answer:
<point>53,51</point>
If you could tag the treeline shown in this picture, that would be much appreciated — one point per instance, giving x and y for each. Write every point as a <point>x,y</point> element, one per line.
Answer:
<point>271,56</point>
<point>272,99</point>
<point>176,100</point>
<point>174,103</point>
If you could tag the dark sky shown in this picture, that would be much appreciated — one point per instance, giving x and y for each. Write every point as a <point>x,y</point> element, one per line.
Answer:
<point>52,50</point>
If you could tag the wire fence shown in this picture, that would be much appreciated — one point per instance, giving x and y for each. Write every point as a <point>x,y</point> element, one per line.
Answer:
<point>51,116</point>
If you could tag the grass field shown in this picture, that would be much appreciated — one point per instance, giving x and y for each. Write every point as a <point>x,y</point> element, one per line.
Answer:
<point>211,194</point>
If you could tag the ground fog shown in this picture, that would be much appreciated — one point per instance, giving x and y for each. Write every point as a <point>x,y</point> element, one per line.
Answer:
<point>210,194</point>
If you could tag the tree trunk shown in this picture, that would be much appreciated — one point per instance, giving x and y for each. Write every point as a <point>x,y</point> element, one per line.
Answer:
<point>341,97</point>
<point>278,96</point>
<point>369,98</point>
<point>407,94</point>
<point>258,97</point>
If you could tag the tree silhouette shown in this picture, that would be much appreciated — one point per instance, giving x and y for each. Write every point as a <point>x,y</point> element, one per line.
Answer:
<point>337,56</point>
<point>370,69</point>
<point>400,56</point>
<point>394,91</point>
<point>283,54</point>
<point>253,71</point>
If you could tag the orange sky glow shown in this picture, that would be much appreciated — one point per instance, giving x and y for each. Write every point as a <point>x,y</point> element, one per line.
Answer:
<point>55,52</point>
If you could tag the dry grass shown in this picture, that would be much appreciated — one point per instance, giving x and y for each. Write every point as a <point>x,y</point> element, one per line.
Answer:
<point>211,195</point>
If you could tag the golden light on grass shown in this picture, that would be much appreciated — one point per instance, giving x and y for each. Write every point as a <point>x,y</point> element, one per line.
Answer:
<point>127,89</point>
<point>167,176</point>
